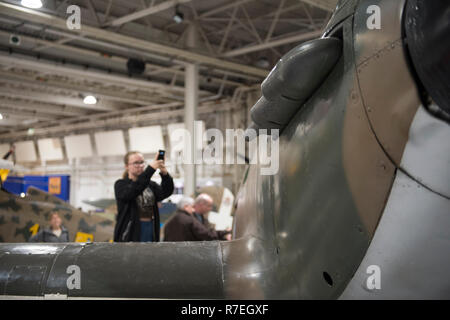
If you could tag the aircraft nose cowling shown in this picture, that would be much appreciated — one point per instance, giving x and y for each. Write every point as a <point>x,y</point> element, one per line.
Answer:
<point>293,80</point>
<point>300,71</point>
<point>274,114</point>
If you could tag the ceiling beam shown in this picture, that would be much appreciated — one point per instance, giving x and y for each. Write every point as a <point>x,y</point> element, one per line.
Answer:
<point>158,116</point>
<point>150,68</point>
<point>21,61</point>
<point>93,12</point>
<point>146,12</point>
<point>96,33</point>
<point>227,30</point>
<point>114,114</point>
<point>199,27</point>
<point>265,18</point>
<point>223,8</point>
<point>11,111</point>
<point>46,97</point>
<point>108,11</point>
<point>119,59</point>
<point>273,43</point>
<point>8,125</point>
<point>99,93</point>
<point>327,5</point>
<point>41,107</point>
<point>274,21</point>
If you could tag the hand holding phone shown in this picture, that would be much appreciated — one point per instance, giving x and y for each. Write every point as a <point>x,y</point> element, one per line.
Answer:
<point>161,157</point>
<point>161,154</point>
<point>159,160</point>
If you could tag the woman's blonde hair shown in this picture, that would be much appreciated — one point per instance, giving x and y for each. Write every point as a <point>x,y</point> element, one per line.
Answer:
<point>125,161</point>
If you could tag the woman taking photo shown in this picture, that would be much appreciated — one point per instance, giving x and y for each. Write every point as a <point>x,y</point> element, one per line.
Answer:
<point>137,197</point>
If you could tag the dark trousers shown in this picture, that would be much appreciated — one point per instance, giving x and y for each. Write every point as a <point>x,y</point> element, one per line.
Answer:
<point>147,231</point>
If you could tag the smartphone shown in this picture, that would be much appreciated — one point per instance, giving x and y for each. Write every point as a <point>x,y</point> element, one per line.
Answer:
<point>161,154</point>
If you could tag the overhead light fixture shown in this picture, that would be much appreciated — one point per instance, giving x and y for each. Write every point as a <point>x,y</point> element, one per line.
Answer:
<point>33,4</point>
<point>30,131</point>
<point>178,17</point>
<point>90,100</point>
<point>1,116</point>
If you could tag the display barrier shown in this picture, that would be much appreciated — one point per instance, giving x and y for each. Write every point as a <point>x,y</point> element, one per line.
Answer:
<point>57,185</point>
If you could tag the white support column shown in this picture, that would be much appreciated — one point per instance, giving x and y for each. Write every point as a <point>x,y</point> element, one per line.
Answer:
<point>190,112</point>
<point>74,181</point>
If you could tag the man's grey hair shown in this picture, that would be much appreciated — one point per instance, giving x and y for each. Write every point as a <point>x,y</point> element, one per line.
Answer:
<point>203,198</point>
<point>184,202</point>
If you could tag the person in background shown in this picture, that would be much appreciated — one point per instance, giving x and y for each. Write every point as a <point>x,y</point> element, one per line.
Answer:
<point>55,233</point>
<point>185,227</point>
<point>202,206</point>
<point>137,197</point>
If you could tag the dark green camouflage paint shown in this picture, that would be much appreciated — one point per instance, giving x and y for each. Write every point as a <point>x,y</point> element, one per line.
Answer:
<point>18,215</point>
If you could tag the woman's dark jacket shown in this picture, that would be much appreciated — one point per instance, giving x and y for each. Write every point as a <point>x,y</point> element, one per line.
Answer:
<point>128,226</point>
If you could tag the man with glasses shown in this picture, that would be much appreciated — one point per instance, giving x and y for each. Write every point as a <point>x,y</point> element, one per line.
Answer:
<point>137,199</point>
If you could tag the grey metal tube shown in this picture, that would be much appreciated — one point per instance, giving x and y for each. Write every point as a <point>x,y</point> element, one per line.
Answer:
<point>126,270</point>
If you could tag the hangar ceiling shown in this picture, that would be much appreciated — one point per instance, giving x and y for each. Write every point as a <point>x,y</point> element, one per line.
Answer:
<point>44,78</point>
